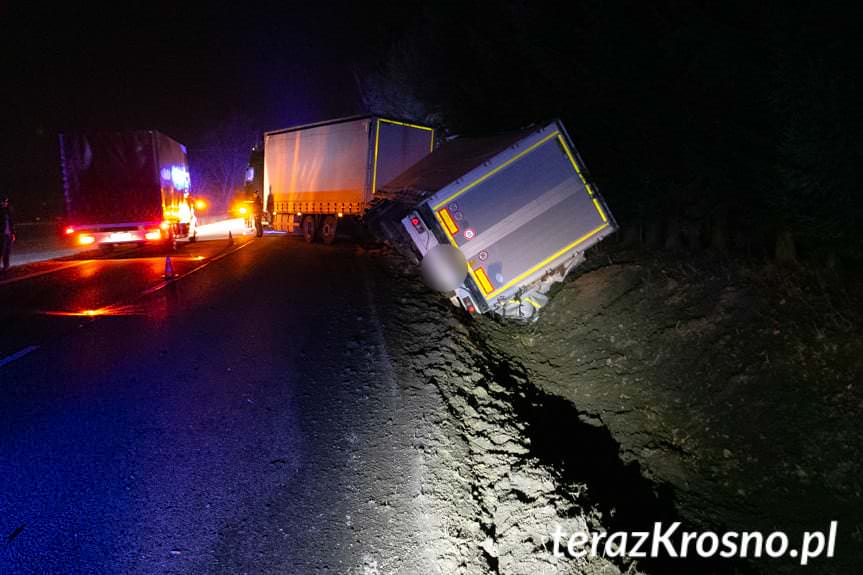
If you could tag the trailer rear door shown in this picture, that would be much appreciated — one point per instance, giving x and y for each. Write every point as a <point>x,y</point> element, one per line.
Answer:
<point>523,213</point>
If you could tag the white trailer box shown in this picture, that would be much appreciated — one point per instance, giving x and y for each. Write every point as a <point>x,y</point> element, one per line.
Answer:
<point>320,172</point>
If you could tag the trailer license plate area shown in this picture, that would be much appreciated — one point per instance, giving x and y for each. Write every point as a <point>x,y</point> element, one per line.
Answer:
<point>121,237</point>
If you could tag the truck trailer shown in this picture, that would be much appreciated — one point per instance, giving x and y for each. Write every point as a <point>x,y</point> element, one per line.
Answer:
<point>126,187</point>
<point>507,216</point>
<point>320,173</point>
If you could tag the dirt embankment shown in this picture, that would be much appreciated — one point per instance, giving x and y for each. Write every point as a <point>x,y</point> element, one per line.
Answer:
<point>490,504</point>
<point>734,387</point>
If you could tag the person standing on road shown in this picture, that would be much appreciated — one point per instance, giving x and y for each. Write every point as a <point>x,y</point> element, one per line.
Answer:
<point>8,232</point>
<point>270,210</point>
<point>257,209</point>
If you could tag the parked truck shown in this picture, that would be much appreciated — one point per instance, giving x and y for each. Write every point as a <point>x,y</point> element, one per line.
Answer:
<point>126,187</point>
<point>320,173</point>
<point>496,221</point>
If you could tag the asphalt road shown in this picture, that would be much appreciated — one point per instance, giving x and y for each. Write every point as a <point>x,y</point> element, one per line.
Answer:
<point>239,419</point>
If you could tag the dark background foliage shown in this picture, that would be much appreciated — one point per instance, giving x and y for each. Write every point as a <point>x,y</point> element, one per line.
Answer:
<point>729,124</point>
<point>734,125</point>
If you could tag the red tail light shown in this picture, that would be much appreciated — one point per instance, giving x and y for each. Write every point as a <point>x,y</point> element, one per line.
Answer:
<point>468,305</point>
<point>69,231</point>
<point>417,223</point>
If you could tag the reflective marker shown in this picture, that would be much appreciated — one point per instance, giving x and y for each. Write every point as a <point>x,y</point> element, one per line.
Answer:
<point>484,282</point>
<point>447,221</point>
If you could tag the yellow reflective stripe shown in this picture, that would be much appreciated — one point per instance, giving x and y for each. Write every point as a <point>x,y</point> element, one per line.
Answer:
<point>484,282</point>
<point>531,302</point>
<point>496,170</point>
<point>447,221</point>
<point>418,127</point>
<point>577,169</point>
<point>599,209</point>
<point>431,143</point>
<point>569,154</point>
<point>549,259</point>
<point>375,168</point>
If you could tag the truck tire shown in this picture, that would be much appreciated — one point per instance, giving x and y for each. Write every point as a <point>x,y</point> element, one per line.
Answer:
<point>328,229</point>
<point>309,228</point>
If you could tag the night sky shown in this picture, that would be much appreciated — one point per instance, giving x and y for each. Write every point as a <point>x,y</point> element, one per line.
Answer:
<point>685,111</point>
<point>179,69</point>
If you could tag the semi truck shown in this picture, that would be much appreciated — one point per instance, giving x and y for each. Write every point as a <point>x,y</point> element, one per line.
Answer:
<point>317,174</point>
<point>126,187</point>
<point>496,221</point>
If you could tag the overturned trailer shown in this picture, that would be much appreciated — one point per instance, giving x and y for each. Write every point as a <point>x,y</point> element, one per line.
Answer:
<point>496,221</point>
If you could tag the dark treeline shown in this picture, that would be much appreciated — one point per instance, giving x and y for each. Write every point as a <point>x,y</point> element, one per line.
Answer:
<point>729,125</point>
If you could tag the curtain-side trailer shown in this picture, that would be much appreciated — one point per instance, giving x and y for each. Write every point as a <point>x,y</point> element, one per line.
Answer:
<point>320,173</point>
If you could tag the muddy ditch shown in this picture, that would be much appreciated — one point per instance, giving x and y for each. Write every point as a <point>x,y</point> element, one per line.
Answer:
<point>730,388</point>
<point>518,461</point>
<point>586,462</point>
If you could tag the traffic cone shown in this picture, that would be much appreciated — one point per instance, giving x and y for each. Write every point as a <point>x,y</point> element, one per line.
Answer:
<point>169,268</point>
<point>230,238</point>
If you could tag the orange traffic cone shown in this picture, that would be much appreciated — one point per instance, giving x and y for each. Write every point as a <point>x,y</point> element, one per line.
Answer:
<point>169,268</point>
<point>230,238</point>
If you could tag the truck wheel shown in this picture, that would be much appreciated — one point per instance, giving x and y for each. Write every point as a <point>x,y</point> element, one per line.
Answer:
<point>328,229</point>
<point>309,228</point>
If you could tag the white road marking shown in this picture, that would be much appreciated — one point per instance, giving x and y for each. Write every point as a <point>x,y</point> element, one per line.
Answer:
<point>45,272</point>
<point>18,355</point>
<point>216,258</point>
<point>31,348</point>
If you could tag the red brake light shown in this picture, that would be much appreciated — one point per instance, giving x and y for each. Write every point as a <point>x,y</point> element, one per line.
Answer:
<point>417,223</point>
<point>468,305</point>
<point>69,231</point>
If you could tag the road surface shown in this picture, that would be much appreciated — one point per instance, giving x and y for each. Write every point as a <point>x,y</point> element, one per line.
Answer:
<point>243,418</point>
<point>277,408</point>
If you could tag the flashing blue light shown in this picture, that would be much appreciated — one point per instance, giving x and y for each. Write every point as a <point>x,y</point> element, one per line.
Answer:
<point>180,178</point>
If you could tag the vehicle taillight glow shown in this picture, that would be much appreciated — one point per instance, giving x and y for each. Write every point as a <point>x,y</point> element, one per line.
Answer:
<point>165,225</point>
<point>468,305</point>
<point>153,235</point>
<point>200,205</point>
<point>416,222</point>
<point>243,210</point>
<point>69,231</point>
<point>86,240</point>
